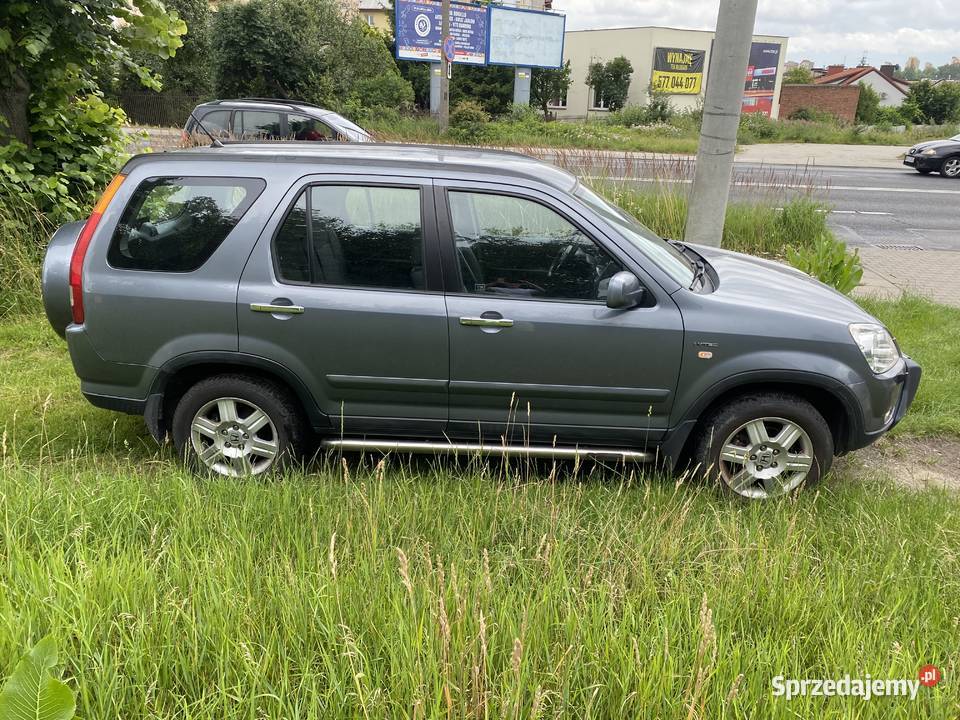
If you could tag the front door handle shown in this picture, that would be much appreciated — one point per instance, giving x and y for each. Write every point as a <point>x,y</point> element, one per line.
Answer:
<point>486,322</point>
<point>277,309</point>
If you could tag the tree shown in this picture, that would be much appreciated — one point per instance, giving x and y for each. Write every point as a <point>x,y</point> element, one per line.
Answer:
<point>610,82</point>
<point>867,104</point>
<point>548,84</point>
<point>799,75</point>
<point>191,69</point>
<point>64,139</point>
<point>299,49</point>
<point>932,104</point>
<point>491,86</point>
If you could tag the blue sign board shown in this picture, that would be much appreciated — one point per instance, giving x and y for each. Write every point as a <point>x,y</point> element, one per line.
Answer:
<point>419,24</point>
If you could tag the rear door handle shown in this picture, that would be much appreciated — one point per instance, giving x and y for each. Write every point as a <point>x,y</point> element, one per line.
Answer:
<point>277,309</point>
<point>486,322</point>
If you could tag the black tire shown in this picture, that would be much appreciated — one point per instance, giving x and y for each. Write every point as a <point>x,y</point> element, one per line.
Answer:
<point>951,167</point>
<point>748,477</point>
<point>284,431</point>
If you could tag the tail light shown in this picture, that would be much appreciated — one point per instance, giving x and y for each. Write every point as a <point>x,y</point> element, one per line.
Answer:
<point>83,244</point>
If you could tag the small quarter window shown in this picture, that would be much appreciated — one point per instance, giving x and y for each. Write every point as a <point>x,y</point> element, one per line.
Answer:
<point>353,235</point>
<point>174,224</point>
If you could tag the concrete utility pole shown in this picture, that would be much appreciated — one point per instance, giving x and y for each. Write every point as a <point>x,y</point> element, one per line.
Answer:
<point>721,119</point>
<point>445,67</point>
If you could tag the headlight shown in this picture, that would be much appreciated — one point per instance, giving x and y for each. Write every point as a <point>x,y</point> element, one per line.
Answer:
<point>877,346</point>
<point>929,151</point>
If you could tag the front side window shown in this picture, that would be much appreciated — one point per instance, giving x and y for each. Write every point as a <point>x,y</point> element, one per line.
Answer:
<point>352,235</point>
<point>517,247</point>
<point>302,127</point>
<point>174,224</point>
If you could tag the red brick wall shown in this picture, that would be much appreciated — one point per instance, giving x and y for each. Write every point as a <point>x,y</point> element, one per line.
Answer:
<point>838,100</point>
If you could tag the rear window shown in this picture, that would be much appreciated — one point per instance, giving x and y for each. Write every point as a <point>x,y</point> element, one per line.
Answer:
<point>174,224</point>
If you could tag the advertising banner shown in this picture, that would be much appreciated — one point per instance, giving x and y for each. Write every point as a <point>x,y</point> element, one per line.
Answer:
<point>761,78</point>
<point>526,38</point>
<point>677,71</point>
<point>419,23</point>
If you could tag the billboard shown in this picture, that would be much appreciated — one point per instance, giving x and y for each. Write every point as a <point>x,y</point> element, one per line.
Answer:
<point>677,71</point>
<point>419,24</point>
<point>527,38</point>
<point>761,78</point>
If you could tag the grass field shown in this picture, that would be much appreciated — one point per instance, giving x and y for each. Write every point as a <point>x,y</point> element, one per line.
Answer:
<point>680,135</point>
<point>478,590</point>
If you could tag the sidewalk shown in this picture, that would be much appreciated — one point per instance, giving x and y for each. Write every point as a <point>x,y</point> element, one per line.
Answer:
<point>860,156</point>
<point>930,273</point>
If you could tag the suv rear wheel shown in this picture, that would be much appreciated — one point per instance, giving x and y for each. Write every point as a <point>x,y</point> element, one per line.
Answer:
<point>764,446</point>
<point>237,426</point>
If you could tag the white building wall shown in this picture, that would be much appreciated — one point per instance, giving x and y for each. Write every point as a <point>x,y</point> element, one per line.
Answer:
<point>581,47</point>
<point>890,94</point>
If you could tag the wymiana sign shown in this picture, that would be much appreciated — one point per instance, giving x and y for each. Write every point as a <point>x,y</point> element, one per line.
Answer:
<point>677,71</point>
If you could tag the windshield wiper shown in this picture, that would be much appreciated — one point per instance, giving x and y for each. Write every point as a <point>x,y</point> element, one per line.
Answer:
<point>699,273</point>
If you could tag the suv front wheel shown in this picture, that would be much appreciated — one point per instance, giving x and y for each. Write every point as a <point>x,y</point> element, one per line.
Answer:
<point>764,446</point>
<point>237,426</point>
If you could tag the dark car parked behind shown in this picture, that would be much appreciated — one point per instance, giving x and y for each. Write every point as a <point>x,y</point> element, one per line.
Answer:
<point>263,119</point>
<point>942,156</point>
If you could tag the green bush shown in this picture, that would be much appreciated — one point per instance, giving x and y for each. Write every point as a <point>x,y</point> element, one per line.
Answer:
<point>889,116</point>
<point>809,114</point>
<point>829,262</point>
<point>867,104</point>
<point>468,122</point>
<point>757,126</point>
<point>657,110</point>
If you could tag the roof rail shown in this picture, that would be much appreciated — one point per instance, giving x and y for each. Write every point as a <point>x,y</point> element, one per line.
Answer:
<point>274,101</point>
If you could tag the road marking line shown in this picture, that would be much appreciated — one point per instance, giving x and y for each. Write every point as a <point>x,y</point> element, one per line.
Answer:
<point>871,212</point>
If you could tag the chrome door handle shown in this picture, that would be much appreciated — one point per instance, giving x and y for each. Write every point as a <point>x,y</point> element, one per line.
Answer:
<point>486,322</point>
<point>277,309</point>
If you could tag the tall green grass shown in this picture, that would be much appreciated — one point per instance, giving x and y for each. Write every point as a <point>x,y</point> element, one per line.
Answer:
<point>754,228</point>
<point>474,590</point>
<point>24,232</point>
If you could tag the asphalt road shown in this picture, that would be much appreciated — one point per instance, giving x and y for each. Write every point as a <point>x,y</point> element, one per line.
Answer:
<point>892,207</point>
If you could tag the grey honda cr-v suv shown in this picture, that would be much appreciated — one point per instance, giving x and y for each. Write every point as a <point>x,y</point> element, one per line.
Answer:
<point>249,300</point>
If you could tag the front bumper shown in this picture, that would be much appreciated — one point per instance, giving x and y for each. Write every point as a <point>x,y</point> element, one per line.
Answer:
<point>903,387</point>
<point>923,162</point>
<point>910,379</point>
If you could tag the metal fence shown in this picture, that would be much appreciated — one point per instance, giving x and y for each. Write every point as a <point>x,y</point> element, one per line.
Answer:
<point>163,109</point>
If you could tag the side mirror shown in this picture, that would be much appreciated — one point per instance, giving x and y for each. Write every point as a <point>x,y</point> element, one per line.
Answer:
<point>624,291</point>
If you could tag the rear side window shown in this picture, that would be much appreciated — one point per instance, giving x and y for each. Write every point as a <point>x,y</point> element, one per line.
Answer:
<point>352,235</point>
<point>174,224</point>
<point>258,125</point>
<point>216,123</point>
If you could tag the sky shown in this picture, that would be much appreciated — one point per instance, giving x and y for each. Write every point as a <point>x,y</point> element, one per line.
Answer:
<point>825,31</point>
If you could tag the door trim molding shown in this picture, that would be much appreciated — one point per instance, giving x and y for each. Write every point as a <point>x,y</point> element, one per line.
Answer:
<point>592,392</point>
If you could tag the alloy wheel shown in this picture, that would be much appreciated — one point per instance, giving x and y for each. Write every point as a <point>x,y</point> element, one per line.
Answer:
<point>951,167</point>
<point>234,437</point>
<point>766,457</point>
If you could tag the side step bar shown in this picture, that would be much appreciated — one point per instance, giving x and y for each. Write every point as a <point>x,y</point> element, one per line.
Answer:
<point>527,451</point>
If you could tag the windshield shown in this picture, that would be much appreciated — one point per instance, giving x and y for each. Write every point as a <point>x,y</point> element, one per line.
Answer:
<point>671,260</point>
<point>350,129</point>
